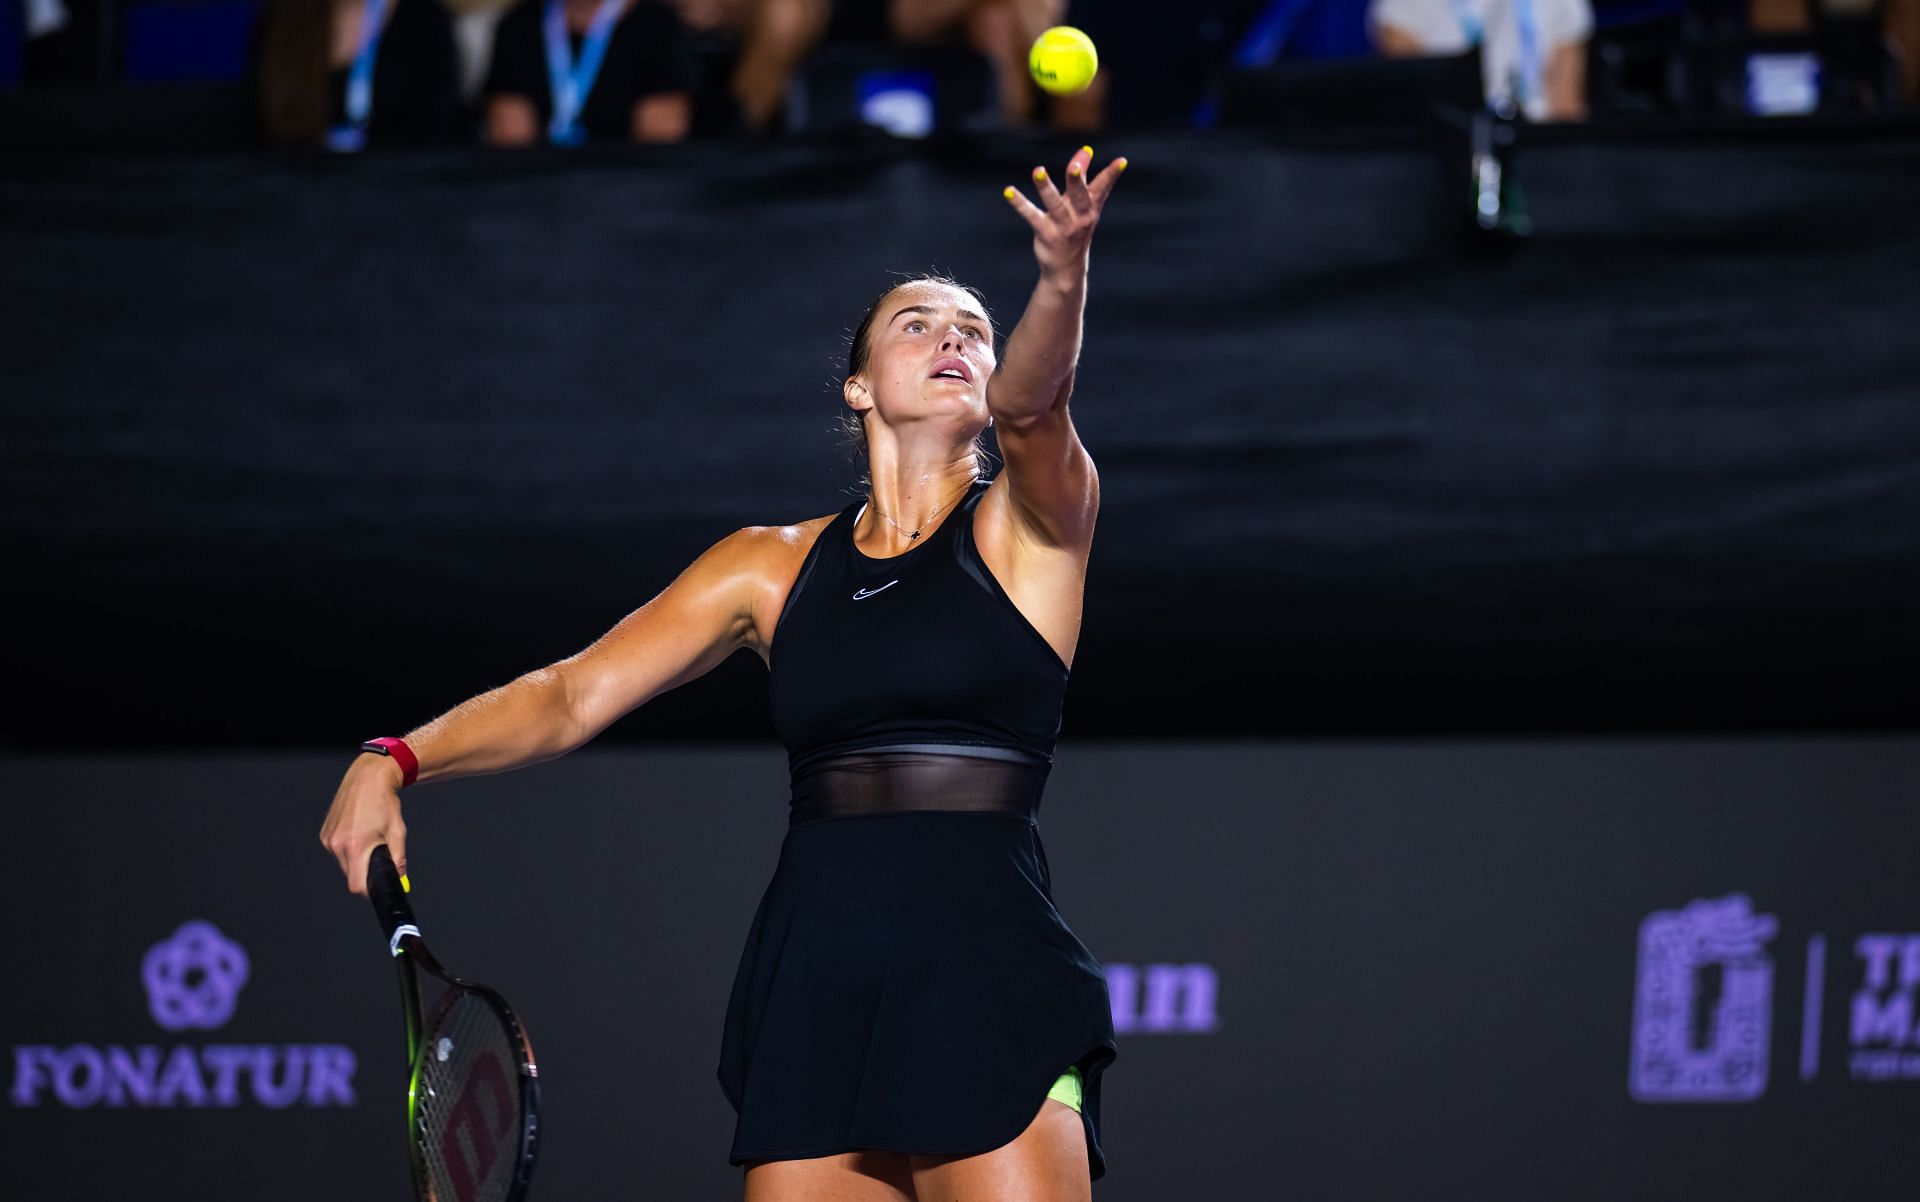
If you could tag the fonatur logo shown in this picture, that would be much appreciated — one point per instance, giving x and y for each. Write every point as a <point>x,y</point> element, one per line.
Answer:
<point>193,981</point>
<point>194,978</point>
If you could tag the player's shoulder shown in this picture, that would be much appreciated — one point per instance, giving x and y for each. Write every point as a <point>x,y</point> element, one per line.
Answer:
<point>770,558</point>
<point>776,550</point>
<point>793,534</point>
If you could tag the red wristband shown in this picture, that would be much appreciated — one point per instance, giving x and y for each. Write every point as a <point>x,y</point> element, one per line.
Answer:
<point>401,753</point>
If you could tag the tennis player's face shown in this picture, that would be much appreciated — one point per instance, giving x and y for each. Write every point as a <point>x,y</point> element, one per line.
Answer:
<point>931,351</point>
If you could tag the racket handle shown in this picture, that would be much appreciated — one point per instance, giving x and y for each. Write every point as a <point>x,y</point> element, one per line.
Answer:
<point>390,903</point>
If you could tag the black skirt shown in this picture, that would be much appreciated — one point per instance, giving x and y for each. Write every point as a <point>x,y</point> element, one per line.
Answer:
<point>907,985</point>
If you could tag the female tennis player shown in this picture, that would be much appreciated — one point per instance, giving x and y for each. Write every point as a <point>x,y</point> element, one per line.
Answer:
<point>911,1018</point>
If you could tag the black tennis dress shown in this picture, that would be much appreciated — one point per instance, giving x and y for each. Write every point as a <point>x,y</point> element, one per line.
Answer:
<point>907,983</point>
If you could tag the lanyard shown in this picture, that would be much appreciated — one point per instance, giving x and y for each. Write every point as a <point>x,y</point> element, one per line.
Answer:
<point>571,81</point>
<point>1526,80</point>
<point>353,135</point>
<point>1470,27</point>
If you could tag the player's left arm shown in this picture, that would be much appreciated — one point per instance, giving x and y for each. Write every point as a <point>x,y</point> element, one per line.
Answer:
<point>1050,476</point>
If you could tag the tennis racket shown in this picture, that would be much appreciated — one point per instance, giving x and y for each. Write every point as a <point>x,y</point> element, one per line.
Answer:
<point>473,1089</point>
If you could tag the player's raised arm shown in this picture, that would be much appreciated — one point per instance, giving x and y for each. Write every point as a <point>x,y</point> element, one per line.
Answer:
<point>697,621</point>
<point>1049,474</point>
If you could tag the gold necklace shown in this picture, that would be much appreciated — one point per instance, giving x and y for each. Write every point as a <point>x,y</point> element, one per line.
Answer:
<point>914,534</point>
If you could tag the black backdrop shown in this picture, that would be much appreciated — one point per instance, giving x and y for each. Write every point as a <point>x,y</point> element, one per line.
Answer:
<point>1424,960</point>
<point>295,450</point>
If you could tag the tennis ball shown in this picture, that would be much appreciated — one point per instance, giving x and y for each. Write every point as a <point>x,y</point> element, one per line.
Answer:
<point>1063,60</point>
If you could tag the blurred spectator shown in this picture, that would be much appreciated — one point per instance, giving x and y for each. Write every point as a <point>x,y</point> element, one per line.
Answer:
<point>570,71</point>
<point>1903,39</point>
<point>1533,52</point>
<point>776,36</point>
<point>60,40</point>
<point>1897,20</point>
<point>42,17</point>
<point>474,22</point>
<point>1088,110</point>
<point>352,73</point>
<point>1001,30</point>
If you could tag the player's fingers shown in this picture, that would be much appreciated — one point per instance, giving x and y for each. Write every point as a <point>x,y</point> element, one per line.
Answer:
<point>397,844</point>
<point>1102,184</point>
<point>1043,184</point>
<point>1077,194</point>
<point>356,866</point>
<point>1026,208</point>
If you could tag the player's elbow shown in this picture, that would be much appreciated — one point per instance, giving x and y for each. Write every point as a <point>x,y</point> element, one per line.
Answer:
<point>593,695</point>
<point>561,693</point>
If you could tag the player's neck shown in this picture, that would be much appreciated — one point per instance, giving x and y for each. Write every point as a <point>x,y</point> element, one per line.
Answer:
<point>917,498</point>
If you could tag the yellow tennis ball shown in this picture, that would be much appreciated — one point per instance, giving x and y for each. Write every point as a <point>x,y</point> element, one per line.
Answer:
<point>1063,60</point>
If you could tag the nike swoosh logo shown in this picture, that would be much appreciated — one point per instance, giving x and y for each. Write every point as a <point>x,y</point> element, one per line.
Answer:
<point>864,593</point>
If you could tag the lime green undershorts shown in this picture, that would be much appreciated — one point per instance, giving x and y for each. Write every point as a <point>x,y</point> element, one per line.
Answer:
<point>1067,1088</point>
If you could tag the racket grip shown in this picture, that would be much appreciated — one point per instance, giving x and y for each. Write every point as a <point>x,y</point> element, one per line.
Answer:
<point>390,903</point>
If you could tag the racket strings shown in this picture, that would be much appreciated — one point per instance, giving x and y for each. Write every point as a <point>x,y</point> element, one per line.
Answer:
<point>469,1104</point>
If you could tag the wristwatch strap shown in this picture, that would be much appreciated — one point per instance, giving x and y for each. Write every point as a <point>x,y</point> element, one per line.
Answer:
<point>400,753</point>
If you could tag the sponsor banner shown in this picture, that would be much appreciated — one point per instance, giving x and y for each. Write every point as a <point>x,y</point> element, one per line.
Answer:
<point>1163,999</point>
<point>1704,1005</point>
<point>1883,1023</point>
<point>193,980</point>
<point>1665,972</point>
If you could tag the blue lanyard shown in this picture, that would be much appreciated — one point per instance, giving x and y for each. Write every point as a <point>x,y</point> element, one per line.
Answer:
<point>571,81</point>
<point>1267,36</point>
<point>1527,81</point>
<point>1469,21</point>
<point>353,135</point>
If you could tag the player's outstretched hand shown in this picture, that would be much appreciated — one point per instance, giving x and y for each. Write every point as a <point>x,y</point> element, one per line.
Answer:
<point>365,813</point>
<point>1063,221</point>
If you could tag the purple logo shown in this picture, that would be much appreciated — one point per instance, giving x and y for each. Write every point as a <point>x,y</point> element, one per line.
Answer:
<point>1163,999</point>
<point>1702,1003</point>
<point>194,977</point>
<point>1883,1027</point>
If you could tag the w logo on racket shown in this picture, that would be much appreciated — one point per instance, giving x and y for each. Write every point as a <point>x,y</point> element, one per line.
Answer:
<point>194,977</point>
<point>478,1125</point>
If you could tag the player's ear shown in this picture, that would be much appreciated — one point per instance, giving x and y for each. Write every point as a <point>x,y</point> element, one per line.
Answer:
<point>856,394</point>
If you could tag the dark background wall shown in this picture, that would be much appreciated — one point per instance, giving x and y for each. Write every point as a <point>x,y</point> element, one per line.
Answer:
<point>1425,959</point>
<point>294,450</point>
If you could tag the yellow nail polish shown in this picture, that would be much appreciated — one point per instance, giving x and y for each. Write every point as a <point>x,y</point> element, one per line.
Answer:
<point>1039,174</point>
<point>406,886</point>
<point>1009,192</point>
<point>1087,150</point>
<point>1120,165</point>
